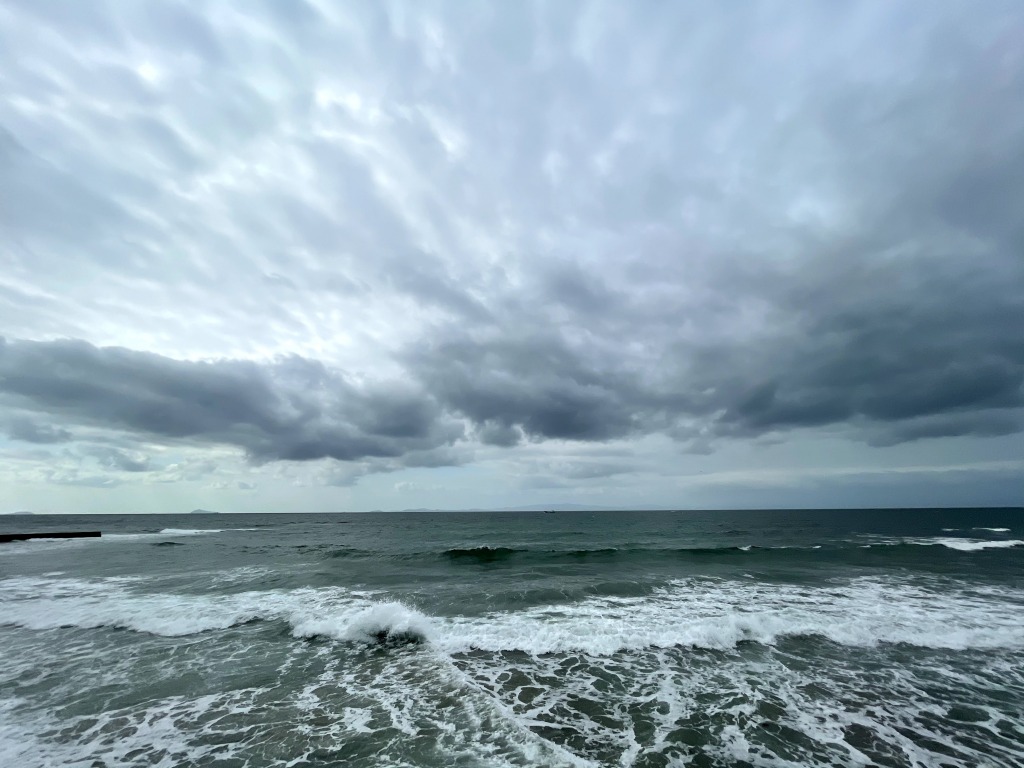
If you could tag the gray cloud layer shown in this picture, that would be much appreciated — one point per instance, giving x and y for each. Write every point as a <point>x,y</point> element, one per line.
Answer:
<point>294,409</point>
<point>392,227</point>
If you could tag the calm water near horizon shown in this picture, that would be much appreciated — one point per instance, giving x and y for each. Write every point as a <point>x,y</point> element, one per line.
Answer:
<point>799,638</point>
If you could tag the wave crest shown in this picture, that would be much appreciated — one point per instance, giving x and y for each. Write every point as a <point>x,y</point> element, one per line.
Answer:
<point>381,623</point>
<point>482,554</point>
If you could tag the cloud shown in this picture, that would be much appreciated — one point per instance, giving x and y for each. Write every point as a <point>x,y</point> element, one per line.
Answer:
<point>22,428</point>
<point>292,409</point>
<point>190,470</point>
<point>884,355</point>
<point>74,477</point>
<point>887,351</point>
<point>112,458</point>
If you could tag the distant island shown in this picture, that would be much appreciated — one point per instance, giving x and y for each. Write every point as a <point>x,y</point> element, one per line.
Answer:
<point>203,512</point>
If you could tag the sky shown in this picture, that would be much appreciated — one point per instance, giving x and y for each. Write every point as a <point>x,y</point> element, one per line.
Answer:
<point>298,255</point>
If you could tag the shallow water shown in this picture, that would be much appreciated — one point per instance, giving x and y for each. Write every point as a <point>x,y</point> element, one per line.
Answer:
<point>891,637</point>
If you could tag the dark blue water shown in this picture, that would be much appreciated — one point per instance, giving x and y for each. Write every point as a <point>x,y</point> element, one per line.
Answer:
<point>887,637</point>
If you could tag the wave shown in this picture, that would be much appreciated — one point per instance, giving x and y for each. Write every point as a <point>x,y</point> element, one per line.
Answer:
<point>189,531</point>
<point>482,554</point>
<point>699,613</point>
<point>971,545</point>
<point>333,612</point>
<point>490,555</point>
<point>37,603</point>
<point>347,552</point>
<point>720,615</point>
<point>961,544</point>
<point>388,623</point>
<point>33,546</point>
<point>152,534</point>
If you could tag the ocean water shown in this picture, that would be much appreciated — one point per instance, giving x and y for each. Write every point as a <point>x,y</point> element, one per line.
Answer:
<point>814,638</point>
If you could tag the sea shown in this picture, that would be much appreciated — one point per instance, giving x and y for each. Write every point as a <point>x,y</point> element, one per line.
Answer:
<point>611,638</point>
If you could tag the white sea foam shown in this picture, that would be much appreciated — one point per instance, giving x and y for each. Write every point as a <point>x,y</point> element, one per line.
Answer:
<point>994,530</point>
<point>486,707</point>
<point>323,702</point>
<point>163,734</point>
<point>741,704</point>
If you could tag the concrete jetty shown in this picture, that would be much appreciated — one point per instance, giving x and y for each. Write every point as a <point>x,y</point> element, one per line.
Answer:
<point>5,537</point>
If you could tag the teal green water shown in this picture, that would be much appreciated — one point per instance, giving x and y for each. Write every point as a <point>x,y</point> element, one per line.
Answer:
<point>821,638</point>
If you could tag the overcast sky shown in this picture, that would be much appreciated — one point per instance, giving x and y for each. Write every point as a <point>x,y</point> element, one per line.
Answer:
<point>310,256</point>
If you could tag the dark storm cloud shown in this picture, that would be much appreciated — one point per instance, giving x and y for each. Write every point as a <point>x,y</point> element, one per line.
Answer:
<point>892,347</point>
<point>897,343</point>
<point>490,432</point>
<point>536,383</point>
<point>293,409</point>
<point>992,424</point>
<point>888,364</point>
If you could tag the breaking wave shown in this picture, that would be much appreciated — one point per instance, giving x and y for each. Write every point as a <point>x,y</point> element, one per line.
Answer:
<point>972,545</point>
<point>189,531</point>
<point>702,613</point>
<point>385,623</point>
<point>961,544</point>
